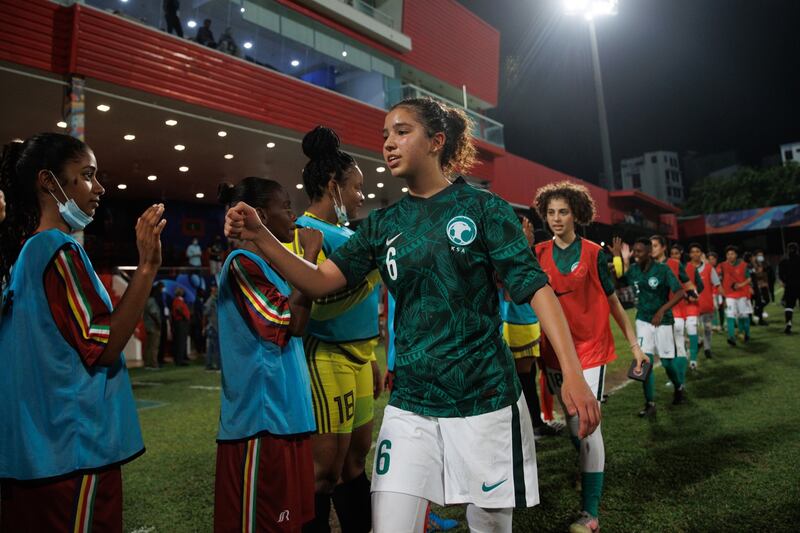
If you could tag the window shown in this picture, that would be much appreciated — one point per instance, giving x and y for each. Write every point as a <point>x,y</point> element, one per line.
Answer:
<point>668,175</point>
<point>654,159</point>
<point>673,161</point>
<point>788,155</point>
<point>666,159</point>
<point>637,181</point>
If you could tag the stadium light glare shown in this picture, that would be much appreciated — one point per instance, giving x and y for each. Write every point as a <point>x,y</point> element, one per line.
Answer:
<point>591,8</point>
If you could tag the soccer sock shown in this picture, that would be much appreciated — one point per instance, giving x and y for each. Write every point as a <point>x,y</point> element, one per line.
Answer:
<point>322,513</point>
<point>731,327</point>
<point>591,490</point>
<point>673,371</point>
<point>353,505</point>
<point>707,324</point>
<point>693,347</point>
<point>744,325</point>
<point>787,314</point>
<point>649,385</point>
<point>528,381</point>
<point>691,331</point>
<point>574,429</point>
<point>681,364</point>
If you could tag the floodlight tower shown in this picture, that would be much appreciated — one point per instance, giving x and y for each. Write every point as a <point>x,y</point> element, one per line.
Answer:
<point>590,9</point>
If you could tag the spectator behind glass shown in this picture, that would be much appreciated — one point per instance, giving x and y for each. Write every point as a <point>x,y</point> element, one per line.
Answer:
<point>204,35</point>
<point>194,253</point>
<point>226,43</point>
<point>171,17</point>
<point>180,327</point>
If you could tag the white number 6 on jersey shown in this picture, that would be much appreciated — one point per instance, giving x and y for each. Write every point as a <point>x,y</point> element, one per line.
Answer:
<point>391,264</point>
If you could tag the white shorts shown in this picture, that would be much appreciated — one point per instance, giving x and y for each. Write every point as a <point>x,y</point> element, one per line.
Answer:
<point>595,378</point>
<point>738,307</point>
<point>488,460</point>
<point>656,340</point>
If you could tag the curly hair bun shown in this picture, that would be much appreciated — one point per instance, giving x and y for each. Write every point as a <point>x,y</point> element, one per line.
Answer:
<point>321,144</point>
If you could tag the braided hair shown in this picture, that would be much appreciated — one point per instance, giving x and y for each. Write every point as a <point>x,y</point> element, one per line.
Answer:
<point>325,161</point>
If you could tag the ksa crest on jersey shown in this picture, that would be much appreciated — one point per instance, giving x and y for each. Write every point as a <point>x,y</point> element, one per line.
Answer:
<point>653,282</point>
<point>461,230</point>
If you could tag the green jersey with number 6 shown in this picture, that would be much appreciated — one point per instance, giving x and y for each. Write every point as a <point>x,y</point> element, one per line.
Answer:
<point>438,256</point>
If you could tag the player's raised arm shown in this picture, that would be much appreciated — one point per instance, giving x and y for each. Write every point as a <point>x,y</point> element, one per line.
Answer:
<point>242,222</point>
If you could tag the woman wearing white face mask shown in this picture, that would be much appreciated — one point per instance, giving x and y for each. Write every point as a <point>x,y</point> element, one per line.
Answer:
<point>68,408</point>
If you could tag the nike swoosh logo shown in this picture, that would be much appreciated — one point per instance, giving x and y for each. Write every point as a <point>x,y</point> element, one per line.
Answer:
<point>489,488</point>
<point>390,241</point>
<point>560,294</point>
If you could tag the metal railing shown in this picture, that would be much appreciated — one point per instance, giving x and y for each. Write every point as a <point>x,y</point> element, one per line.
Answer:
<point>485,128</point>
<point>371,11</point>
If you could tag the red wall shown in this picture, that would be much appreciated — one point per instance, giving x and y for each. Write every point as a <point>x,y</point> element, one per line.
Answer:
<point>517,180</point>
<point>36,34</point>
<point>447,41</point>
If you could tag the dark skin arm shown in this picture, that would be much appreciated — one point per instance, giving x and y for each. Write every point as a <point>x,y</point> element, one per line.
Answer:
<point>659,316</point>
<point>299,303</point>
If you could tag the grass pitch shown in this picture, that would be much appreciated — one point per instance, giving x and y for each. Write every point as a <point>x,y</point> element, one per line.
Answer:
<point>729,459</point>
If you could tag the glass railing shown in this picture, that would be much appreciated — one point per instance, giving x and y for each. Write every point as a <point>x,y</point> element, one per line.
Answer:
<point>371,11</point>
<point>485,128</point>
<point>268,34</point>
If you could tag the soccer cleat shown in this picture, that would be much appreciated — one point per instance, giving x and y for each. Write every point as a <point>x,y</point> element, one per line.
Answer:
<point>732,342</point>
<point>746,338</point>
<point>547,430</point>
<point>708,354</point>
<point>437,523</point>
<point>649,410</point>
<point>788,329</point>
<point>585,523</point>
<point>679,396</point>
<point>693,365</point>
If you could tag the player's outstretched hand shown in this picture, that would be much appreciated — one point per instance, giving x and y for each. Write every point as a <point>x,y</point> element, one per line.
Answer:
<point>148,236</point>
<point>579,400</point>
<point>616,246</point>
<point>242,222</point>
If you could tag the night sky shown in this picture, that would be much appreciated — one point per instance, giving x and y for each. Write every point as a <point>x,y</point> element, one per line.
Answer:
<point>700,75</point>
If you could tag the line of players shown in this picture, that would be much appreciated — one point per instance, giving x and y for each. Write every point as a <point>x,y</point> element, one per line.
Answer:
<point>295,421</point>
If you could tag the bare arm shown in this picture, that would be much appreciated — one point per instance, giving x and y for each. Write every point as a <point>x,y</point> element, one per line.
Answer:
<point>242,222</point>
<point>129,309</point>
<point>299,303</point>
<point>576,394</point>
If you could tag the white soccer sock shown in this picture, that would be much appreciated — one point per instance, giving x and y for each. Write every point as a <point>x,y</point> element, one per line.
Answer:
<point>393,512</point>
<point>488,520</point>
<point>680,339</point>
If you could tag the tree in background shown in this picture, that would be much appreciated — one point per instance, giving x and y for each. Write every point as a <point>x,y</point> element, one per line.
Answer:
<point>746,189</point>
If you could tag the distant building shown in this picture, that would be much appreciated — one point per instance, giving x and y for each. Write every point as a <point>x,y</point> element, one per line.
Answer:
<point>655,173</point>
<point>790,152</point>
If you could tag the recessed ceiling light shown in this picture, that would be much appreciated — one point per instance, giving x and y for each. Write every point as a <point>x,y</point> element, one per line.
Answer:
<point>199,195</point>
<point>295,63</point>
<point>103,108</point>
<point>344,53</point>
<point>129,137</point>
<point>380,185</point>
<point>248,45</point>
<point>192,24</point>
<point>299,185</point>
<point>152,177</point>
<point>171,122</point>
<point>228,156</point>
<point>270,145</point>
<point>241,9</point>
<point>17,140</point>
<point>404,189</point>
<point>380,170</point>
<point>180,147</point>
<point>122,186</point>
<point>61,124</point>
<point>222,133</point>
<point>371,195</point>
<point>183,169</point>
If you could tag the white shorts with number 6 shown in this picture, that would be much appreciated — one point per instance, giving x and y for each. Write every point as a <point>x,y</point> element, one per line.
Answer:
<point>488,460</point>
<point>656,340</point>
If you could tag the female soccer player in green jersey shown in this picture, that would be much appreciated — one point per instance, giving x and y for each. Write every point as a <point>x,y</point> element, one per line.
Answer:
<point>456,430</point>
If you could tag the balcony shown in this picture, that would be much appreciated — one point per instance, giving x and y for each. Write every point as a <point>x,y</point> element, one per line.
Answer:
<point>374,12</point>
<point>485,128</point>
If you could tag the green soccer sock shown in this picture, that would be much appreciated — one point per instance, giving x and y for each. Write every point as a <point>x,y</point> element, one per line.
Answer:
<point>744,325</point>
<point>731,328</point>
<point>591,490</point>
<point>693,347</point>
<point>681,364</point>
<point>672,366</point>
<point>649,385</point>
